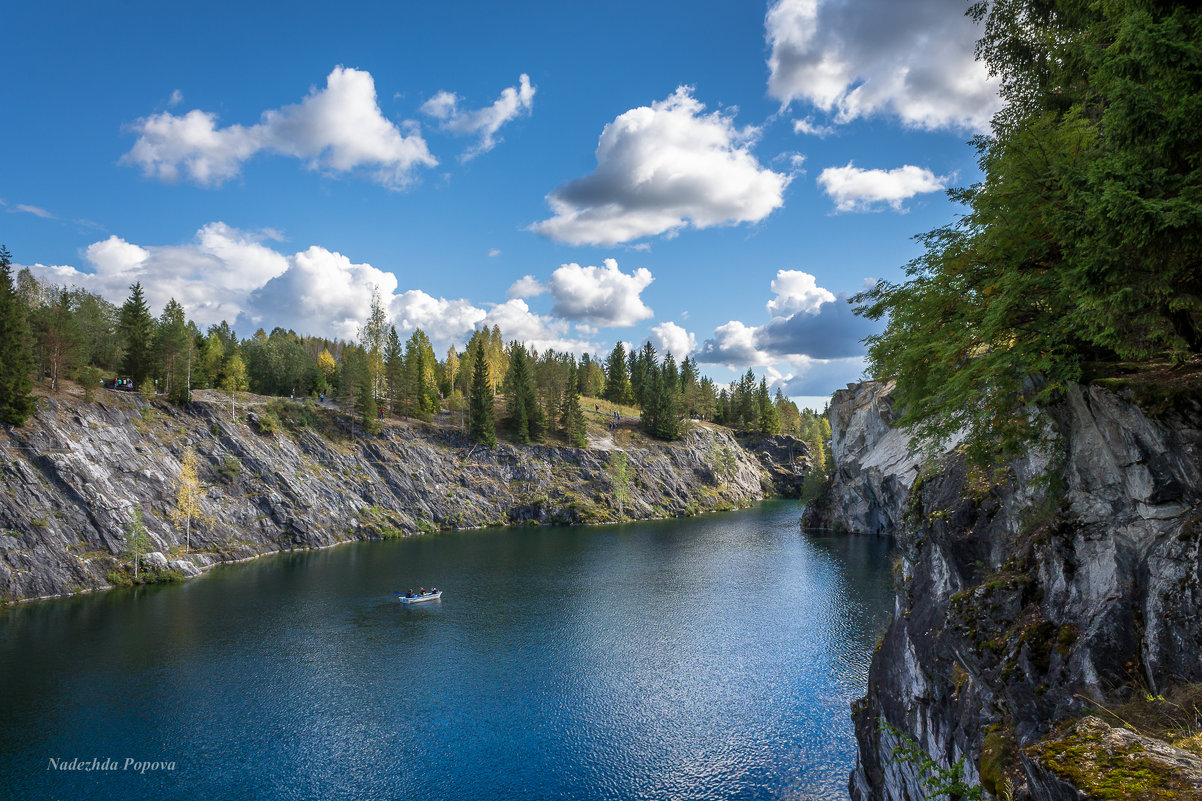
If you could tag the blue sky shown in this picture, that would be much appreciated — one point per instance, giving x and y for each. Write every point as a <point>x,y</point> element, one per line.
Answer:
<point>712,176</point>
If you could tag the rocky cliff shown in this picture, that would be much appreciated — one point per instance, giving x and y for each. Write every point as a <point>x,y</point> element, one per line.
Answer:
<point>73,474</point>
<point>1047,638</point>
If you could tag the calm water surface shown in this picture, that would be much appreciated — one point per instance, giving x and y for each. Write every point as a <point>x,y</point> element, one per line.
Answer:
<point>706,658</point>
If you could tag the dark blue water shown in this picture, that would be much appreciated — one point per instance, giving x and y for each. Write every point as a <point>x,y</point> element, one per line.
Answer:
<point>707,658</point>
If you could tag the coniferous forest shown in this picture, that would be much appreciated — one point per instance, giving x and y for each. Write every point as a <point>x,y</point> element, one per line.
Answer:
<point>51,334</point>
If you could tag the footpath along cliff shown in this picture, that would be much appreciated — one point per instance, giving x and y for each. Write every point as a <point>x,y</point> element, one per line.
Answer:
<point>73,474</point>
<point>1047,635</point>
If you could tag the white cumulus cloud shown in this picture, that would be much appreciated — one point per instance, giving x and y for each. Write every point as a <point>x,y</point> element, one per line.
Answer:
<point>322,290</point>
<point>911,60</point>
<point>661,168</point>
<point>733,344</point>
<point>339,129</point>
<point>671,338</point>
<point>812,330</point>
<point>855,189</point>
<point>485,122</point>
<point>525,287</point>
<point>210,276</point>
<point>797,291</point>
<point>227,274</point>
<point>440,318</point>
<point>600,295</point>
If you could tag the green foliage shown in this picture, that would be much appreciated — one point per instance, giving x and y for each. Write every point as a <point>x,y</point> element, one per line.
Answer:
<point>267,424</point>
<point>621,478</point>
<point>617,377</point>
<point>373,339</point>
<point>89,379</point>
<point>769,417</point>
<point>571,416</point>
<point>173,346</point>
<point>137,541</point>
<point>481,426</point>
<point>229,469</point>
<point>137,333</point>
<point>419,377</point>
<point>56,335</point>
<point>369,414</point>
<point>724,463</point>
<point>234,375</point>
<point>940,781</point>
<point>662,417</point>
<point>1083,240</point>
<point>16,359</point>
<point>525,415</point>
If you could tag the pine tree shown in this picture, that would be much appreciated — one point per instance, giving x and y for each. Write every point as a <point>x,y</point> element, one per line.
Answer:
<point>16,358</point>
<point>137,332</point>
<point>481,426</point>
<point>746,407</point>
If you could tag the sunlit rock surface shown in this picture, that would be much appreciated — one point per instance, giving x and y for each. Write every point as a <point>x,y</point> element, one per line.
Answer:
<point>1022,601</point>
<point>72,475</point>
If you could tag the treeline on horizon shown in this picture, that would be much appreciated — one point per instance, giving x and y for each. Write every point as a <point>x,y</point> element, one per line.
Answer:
<point>51,333</point>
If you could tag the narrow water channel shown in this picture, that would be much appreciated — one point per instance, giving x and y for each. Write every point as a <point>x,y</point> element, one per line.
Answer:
<point>706,658</point>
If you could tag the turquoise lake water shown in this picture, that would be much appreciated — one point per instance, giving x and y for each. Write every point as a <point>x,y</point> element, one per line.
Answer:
<point>708,658</point>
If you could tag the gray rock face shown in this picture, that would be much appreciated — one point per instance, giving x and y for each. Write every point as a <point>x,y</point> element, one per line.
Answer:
<point>73,474</point>
<point>874,464</point>
<point>1021,601</point>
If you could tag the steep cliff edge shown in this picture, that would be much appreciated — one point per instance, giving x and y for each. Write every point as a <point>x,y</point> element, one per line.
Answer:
<point>72,475</point>
<point>1025,604</point>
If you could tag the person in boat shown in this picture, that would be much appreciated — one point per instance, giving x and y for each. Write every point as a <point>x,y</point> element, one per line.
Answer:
<point>410,593</point>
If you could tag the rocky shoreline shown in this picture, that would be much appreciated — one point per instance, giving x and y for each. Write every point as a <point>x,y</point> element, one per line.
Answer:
<point>73,474</point>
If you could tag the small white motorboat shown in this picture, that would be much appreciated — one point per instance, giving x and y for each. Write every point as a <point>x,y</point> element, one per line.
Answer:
<point>417,598</point>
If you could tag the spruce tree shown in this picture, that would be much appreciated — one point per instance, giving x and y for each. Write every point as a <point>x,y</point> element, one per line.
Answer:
<point>480,425</point>
<point>617,377</point>
<point>769,419</point>
<point>571,416</point>
<point>16,358</point>
<point>369,413</point>
<point>394,370</point>
<point>173,347</point>
<point>137,333</point>
<point>526,419</point>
